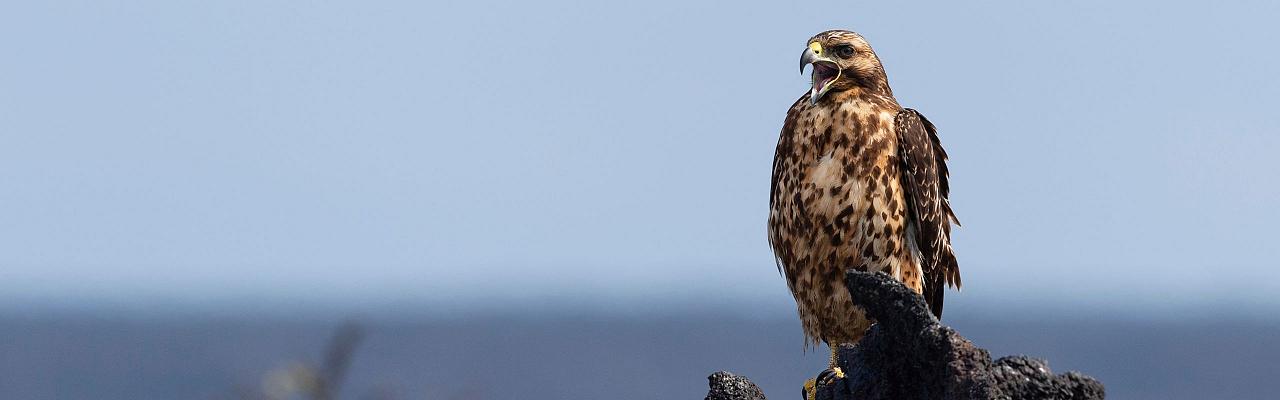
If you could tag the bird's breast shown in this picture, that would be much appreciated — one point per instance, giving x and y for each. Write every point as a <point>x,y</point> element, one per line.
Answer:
<point>832,187</point>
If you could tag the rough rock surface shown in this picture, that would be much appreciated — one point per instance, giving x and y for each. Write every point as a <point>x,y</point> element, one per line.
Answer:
<point>1021,377</point>
<point>908,354</point>
<point>727,386</point>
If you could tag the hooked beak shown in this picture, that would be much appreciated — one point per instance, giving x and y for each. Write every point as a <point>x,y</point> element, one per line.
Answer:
<point>825,71</point>
<point>808,57</point>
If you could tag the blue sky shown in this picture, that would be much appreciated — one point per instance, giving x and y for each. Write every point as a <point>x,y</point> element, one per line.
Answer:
<point>202,153</point>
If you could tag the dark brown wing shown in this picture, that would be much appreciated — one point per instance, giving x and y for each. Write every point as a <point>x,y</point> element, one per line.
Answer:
<point>924,180</point>
<point>779,155</point>
<point>784,145</point>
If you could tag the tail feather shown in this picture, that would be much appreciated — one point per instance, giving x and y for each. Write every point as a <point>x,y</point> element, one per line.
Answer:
<point>933,293</point>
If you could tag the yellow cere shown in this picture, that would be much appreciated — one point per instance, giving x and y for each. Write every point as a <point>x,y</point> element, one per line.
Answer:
<point>816,47</point>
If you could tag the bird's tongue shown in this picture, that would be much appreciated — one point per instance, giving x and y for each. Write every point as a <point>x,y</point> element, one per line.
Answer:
<point>822,75</point>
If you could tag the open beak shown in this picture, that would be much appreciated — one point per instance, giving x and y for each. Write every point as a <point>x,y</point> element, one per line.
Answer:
<point>825,71</point>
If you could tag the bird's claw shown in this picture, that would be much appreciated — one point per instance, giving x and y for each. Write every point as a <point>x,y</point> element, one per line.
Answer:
<point>827,377</point>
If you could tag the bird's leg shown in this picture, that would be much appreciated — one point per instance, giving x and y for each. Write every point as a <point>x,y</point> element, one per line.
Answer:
<point>827,377</point>
<point>833,371</point>
<point>834,364</point>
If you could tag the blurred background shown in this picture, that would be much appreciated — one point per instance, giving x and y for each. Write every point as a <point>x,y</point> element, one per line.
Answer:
<point>566,199</point>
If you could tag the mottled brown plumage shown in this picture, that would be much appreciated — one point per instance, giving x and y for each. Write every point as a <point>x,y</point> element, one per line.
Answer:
<point>858,182</point>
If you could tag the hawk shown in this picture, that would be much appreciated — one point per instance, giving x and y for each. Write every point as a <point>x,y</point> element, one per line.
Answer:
<point>858,182</point>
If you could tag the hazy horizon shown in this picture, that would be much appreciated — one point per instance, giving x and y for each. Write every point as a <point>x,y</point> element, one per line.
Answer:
<point>564,357</point>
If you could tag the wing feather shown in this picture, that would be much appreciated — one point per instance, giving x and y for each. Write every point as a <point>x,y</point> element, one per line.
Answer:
<point>784,144</point>
<point>924,179</point>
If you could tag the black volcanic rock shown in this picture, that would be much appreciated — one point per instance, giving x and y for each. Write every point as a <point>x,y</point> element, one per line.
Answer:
<point>908,354</point>
<point>1022,377</point>
<point>727,386</point>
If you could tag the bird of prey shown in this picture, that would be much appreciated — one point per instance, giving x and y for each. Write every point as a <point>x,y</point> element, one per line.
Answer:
<point>858,182</point>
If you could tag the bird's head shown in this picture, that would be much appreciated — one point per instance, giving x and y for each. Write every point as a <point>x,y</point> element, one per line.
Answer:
<point>842,60</point>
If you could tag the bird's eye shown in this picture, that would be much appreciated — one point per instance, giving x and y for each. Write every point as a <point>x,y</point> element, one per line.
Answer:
<point>844,51</point>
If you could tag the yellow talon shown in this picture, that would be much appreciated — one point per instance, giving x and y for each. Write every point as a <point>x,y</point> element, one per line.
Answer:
<point>828,377</point>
